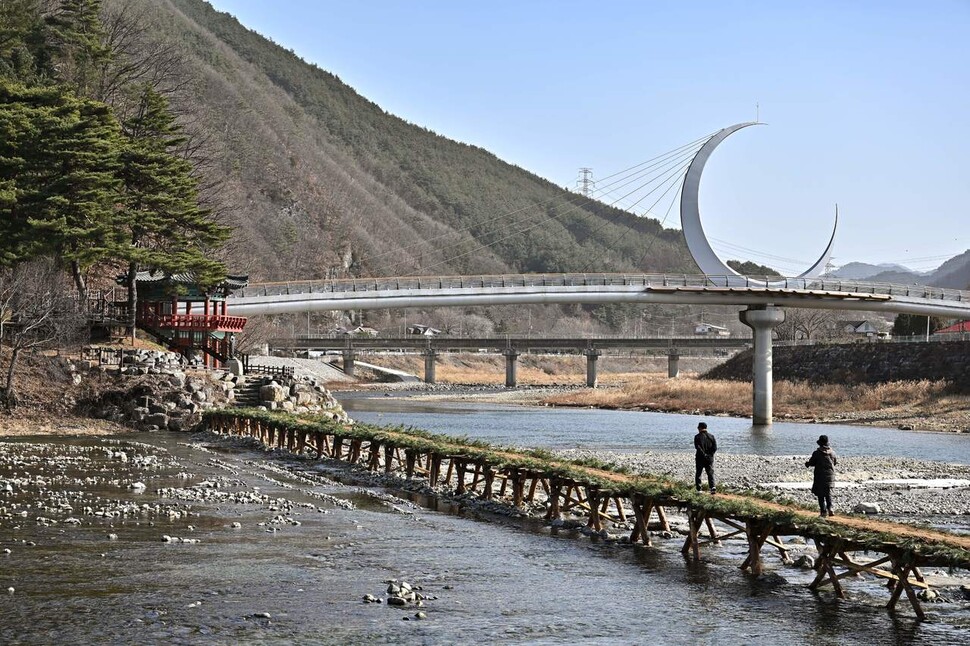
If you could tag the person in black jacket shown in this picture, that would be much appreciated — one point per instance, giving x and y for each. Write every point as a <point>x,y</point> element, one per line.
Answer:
<point>823,459</point>
<point>705,446</point>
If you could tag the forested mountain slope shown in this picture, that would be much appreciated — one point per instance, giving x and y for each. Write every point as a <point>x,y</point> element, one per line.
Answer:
<point>320,181</point>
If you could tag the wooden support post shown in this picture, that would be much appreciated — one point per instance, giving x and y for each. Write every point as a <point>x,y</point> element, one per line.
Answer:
<point>711,531</point>
<point>662,517</point>
<point>641,511</point>
<point>459,476</point>
<point>489,480</point>
<point>451,468</point>
<point>694,519</point>
<point>902,570</point>
<point>825,569</point>
<point>554,513</point>
<point>532,487</point>
<point>619,508</point>
<point>757,532</point>
<point>409,457</point>
<point>373,455</point>
<point>388,458</point>
<point>337,448</point>
<point>477,476</point>
<point>518,488</point>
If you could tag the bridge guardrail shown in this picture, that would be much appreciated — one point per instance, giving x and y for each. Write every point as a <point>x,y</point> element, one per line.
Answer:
<point>344,286</point>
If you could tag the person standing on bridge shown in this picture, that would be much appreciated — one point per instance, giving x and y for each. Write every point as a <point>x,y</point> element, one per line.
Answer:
<point>705,446</point>
<point>823,459</point>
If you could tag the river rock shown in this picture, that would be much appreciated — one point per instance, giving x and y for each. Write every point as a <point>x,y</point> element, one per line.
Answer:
<point>867,508</point>
<point>805,562</point>
<point>396,601</point>
<point>272,392</point>
<point>157,419</point>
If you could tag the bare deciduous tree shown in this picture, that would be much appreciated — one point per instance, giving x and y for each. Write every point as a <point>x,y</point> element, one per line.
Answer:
<point>37,310</point>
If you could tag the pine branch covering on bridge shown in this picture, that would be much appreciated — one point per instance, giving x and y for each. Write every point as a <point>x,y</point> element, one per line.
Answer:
<point>601,482</point>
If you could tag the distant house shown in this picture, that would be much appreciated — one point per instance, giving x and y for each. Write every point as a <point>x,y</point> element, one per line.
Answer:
<point>962,327</point>
<point>423,330</point>
<point>862,328</point>
<point>707,329</point>
<point>363,330</point>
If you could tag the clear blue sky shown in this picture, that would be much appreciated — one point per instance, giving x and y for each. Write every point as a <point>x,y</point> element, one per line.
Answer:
<point>868,102</point>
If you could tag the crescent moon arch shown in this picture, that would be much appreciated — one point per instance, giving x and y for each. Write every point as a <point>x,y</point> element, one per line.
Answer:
<point>690,216</point>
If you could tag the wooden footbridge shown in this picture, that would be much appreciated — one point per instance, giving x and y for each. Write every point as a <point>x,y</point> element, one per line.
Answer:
<point>611,500</point>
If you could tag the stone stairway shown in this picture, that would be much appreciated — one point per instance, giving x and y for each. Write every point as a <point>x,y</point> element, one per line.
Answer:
<point>247,394</point>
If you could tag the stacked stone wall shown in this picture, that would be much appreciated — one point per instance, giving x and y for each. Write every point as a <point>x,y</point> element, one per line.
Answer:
<point>860,363</point>
<point>152,390</point>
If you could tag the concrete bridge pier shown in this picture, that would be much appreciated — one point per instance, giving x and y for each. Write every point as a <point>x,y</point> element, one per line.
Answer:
<point>429,365</point>
<point>511,359</point>
<point>762,320</point>
<point>349,359</point>
<point>673,363</point>
<point>592,355</point>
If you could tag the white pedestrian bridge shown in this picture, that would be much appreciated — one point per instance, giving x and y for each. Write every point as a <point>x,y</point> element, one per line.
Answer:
<point>763,300</point>
<point>512,289</point>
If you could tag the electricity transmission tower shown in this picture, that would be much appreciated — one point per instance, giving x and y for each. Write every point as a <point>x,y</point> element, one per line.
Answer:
<point>584,183</point>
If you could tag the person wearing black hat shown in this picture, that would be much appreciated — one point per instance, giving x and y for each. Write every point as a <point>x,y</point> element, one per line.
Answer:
<point>824,460</point>
<point>705,447</point>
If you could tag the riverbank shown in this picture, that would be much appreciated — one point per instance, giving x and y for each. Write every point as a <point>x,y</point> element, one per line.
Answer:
<point>918,406</point>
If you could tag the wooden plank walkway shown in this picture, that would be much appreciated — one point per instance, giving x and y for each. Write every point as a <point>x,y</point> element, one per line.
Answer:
<point>607,498</point>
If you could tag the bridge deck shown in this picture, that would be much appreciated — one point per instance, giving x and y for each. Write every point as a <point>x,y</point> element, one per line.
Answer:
<point>420,291</point>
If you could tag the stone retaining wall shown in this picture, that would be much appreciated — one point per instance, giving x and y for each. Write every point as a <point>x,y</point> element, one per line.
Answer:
<point>152,390</point>
<point>860,363</point>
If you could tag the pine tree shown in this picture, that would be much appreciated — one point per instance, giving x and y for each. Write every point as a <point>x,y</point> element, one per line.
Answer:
<point>165,226</point>
<point>59,156</point>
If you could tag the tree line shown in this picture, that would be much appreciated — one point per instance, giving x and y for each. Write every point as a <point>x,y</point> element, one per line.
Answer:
<point>97,177</point>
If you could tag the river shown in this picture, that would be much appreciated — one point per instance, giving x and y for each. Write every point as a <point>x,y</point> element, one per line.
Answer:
<point>497,580</point>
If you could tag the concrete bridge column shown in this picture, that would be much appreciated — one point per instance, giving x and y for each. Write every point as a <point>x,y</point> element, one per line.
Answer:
<point>592,354</point>
<point>349,358</point>
<point>429,365</point>
<point>511,358</point>
<point>762,321</point>
<point>673,363</point>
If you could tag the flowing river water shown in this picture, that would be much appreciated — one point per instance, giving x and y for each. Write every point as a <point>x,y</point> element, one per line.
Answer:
<point>279,551</point>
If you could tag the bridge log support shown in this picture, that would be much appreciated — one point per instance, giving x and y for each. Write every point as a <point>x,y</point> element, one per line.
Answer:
<point>511,363</point>
<point>592,355</point>
<point>429,365</point>
<point>762,321</point>
<point>673,363</point>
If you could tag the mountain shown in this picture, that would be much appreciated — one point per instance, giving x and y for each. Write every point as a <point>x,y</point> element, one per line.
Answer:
<point>952,274</point>
<point>864,270</point>
<point>318,181</point>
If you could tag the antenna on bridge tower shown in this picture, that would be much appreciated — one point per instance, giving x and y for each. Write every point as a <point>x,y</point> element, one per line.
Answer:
<point>757,112</point>
<point>584,183</point>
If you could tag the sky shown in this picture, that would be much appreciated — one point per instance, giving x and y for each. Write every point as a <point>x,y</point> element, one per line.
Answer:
<point>867,104</point>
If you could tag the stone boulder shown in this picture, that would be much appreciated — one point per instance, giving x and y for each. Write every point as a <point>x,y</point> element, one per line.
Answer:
<point>273,392</point>
<point>867,508</point>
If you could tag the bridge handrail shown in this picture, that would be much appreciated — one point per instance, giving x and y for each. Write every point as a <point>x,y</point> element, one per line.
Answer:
<point>597,280</point>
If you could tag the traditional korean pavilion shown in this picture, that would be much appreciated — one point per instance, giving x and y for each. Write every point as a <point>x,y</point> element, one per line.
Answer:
<point>179,313</point>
